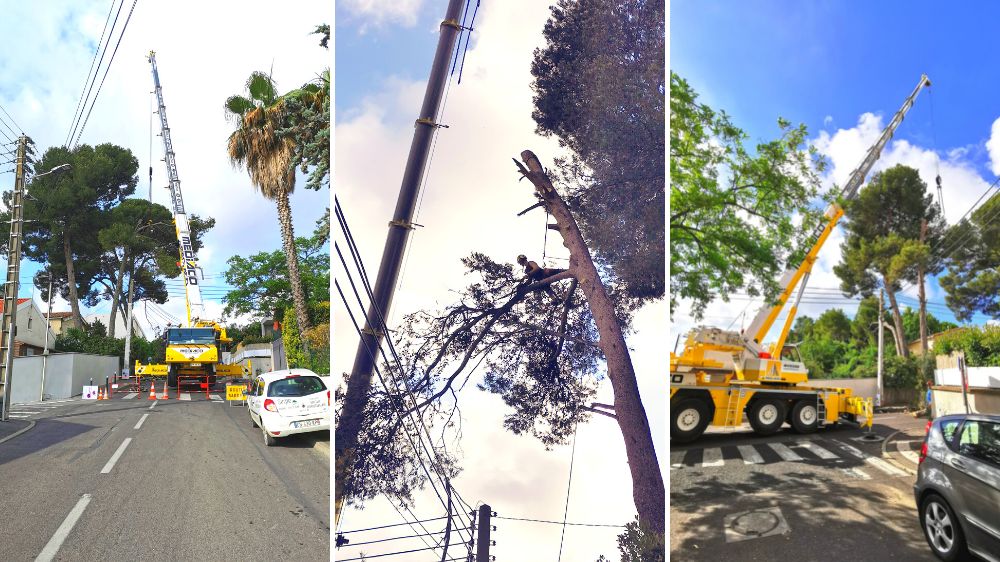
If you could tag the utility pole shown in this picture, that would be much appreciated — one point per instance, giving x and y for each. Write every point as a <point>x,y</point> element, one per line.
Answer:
<point>359,383</point>
<point>128,329</point>
<point>881,331</point>
<point>922,295</point>
<point>8,323</point>
<point>483,534</point>
<point>45,351</point>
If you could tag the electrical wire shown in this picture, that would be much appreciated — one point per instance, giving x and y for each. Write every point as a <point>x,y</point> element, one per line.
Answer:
<point>77,112</point>
<point>559,522</point>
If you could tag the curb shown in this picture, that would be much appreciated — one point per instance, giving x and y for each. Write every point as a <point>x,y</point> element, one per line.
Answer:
<point>18,432</point>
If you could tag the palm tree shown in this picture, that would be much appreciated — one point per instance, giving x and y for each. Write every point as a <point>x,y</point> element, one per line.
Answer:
<point>269,159</point>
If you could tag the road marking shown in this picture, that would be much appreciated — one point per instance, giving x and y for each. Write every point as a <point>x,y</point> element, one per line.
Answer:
<point>784,452</point>
<point>185,396</point>
<point>750,455</point>
<point>856,473</point>
<point>712,457</point>
<point>215,397</point>
<point>153,405</point>
<point>817,450</point>
<point>52,547</point>
<point>677,459</point>
<point>142,419</point>
<point>907,451</point>
<point>130,396</point>
<point>114,458</point>
<point>874,461</point>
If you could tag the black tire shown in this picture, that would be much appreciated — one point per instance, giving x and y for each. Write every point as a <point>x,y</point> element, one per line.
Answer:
<point>766,415</point>
<point>804,416</point>
<point>269,440</point>
<point>940,526</point>
<point>252,423</point>
<point>171,376</point>
<point>688,419</point>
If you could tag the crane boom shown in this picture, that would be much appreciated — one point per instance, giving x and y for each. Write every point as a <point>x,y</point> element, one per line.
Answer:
<point>761,324</point>
<point>188,260</point>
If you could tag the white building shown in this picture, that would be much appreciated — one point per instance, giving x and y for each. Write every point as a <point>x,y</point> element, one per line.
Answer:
<point>29,338</point>
<point>119,324</point>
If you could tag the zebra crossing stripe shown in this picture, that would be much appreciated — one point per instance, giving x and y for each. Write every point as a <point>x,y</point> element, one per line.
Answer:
<point>907,451</point>
<point>817,450</point>
<point>712,457</point>
<point>856,473</point>
<point>784,452</point>
<point>874,461</point>
<point>677,459</point>
<point>130,396</point>
<point>185,396</point>
<point>750,455</point>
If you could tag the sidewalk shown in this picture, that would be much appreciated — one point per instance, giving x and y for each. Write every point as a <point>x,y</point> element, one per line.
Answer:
<point>10,427</point>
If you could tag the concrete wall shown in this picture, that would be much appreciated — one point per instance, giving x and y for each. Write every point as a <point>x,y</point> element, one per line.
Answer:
<point>948,400</point>
<point>981,377</point>
<point>257,354</point>
<point>65,375</point>
<point>867,387</point>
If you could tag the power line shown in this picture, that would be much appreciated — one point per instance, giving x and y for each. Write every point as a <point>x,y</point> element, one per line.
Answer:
<point>367,556</point>
<point>559,522</point>
<point>76,112</point>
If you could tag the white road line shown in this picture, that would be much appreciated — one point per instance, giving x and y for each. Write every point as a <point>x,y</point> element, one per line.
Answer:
<point>712,457</point>
<point>874,461</point>
<point>185,396</point>
<point>130,396</point>
<point>856,473</point>
<point>52,547</point>
<point>907,451</point>
<point>750,455</point>
<point>153,405</point>
<point>215,397</point>
<point>784,452</point>
<point>817,450</point>
<point>677,459</point>
<point>114,458</point>
<point>142,419</point>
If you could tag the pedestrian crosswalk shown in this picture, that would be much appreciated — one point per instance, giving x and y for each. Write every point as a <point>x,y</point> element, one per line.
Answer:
<point>833,451</point>
<point>33,410</point>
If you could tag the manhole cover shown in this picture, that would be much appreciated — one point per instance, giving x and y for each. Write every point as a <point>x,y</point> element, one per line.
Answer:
<point>869,438</point>
<point>755,524</point>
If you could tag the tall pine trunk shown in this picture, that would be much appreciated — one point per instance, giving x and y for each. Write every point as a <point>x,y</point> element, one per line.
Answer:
<point>921,295</point>
<point>897,321</point>
<point>116,296</point>
<point>74,299</point>
<point>648,491</point>
<point>292,259</point>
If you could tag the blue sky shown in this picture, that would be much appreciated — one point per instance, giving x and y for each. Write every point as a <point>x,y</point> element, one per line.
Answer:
<point>827,63</point>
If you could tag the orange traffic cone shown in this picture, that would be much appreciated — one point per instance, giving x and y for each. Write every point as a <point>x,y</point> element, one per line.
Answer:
<point>101,395</point>
<point>152,390</point>
<point>166,391</point>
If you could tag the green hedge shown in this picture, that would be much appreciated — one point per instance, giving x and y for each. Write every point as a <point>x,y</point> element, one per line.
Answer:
<point>981,345</point>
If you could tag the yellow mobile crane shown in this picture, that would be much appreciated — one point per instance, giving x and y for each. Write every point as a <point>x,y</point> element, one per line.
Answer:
<point>192,352</point>
<point>720,374</point>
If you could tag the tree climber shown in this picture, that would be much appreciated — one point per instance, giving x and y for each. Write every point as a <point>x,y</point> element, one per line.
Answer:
<point>534,273</point>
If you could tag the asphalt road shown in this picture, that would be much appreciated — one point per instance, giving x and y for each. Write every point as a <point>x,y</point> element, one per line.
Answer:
<point>194,482</point>
<point>823,496</point>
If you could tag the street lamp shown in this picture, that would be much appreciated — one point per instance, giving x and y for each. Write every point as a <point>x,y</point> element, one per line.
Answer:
<point>9,322</point>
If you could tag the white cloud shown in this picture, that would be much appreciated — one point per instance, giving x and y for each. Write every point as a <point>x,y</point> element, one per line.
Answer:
<point>993,146</point>
<point>828,120</point>
<point>376,13</point>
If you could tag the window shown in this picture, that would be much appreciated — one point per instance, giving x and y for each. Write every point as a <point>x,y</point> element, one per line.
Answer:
<point>295,386</point>
<point>948,429</point>
<point>980,440</point>
<point>29,322</point>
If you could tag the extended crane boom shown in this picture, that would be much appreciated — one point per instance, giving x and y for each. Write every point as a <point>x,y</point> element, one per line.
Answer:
<point>721,375</point>
<point>189,261</point>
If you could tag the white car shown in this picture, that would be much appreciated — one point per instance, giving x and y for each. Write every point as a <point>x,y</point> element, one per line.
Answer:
<point>286,402</point>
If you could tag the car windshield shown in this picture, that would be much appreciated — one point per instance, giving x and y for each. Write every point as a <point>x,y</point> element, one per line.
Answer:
<point>295,386</point>
<point>191,335</point>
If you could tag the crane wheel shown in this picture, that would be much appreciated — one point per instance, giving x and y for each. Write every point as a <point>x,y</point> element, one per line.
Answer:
<point>804,417</point>
<point>688,419</point>
<point>766,415</point>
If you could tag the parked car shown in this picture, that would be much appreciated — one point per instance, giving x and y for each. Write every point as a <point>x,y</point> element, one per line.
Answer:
<point>287,402</point>
<point>958,486</point>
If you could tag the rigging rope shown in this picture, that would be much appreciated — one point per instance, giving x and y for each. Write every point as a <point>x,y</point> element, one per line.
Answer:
<point>569,484</point>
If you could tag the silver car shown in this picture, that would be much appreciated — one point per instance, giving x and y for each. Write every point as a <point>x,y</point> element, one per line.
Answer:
<point>958,487</point>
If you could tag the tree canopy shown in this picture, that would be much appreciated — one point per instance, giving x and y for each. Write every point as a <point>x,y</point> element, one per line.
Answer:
<point>599,89</point>
<point>972,280</point>
<point>737,218</point>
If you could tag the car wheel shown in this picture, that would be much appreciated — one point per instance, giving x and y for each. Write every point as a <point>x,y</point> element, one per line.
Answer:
<point>766,415</point>
<point>688,419</point>
<point>252,423</point>
<point>269,439</point>
<point>804,416</point>
<point>942,530</point>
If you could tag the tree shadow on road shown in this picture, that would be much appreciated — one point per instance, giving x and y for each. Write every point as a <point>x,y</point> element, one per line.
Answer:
<point>45,434</point>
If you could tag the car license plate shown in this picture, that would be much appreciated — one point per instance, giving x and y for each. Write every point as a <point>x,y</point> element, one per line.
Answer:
<point>305,423</point>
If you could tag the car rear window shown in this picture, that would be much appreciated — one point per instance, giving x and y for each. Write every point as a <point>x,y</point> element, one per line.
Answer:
<point>981,440</point>
<point>295,386</point>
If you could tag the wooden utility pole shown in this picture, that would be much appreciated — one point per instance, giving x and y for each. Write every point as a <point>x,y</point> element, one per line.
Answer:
<point>881,347</point>
<point>921,293</point>
<point>359,382</point>
<point>8,322</point>
<point>483,534</point>
<point>647,481</point>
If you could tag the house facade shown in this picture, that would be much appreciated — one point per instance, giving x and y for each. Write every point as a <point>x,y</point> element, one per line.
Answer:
<point>29,335</point>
